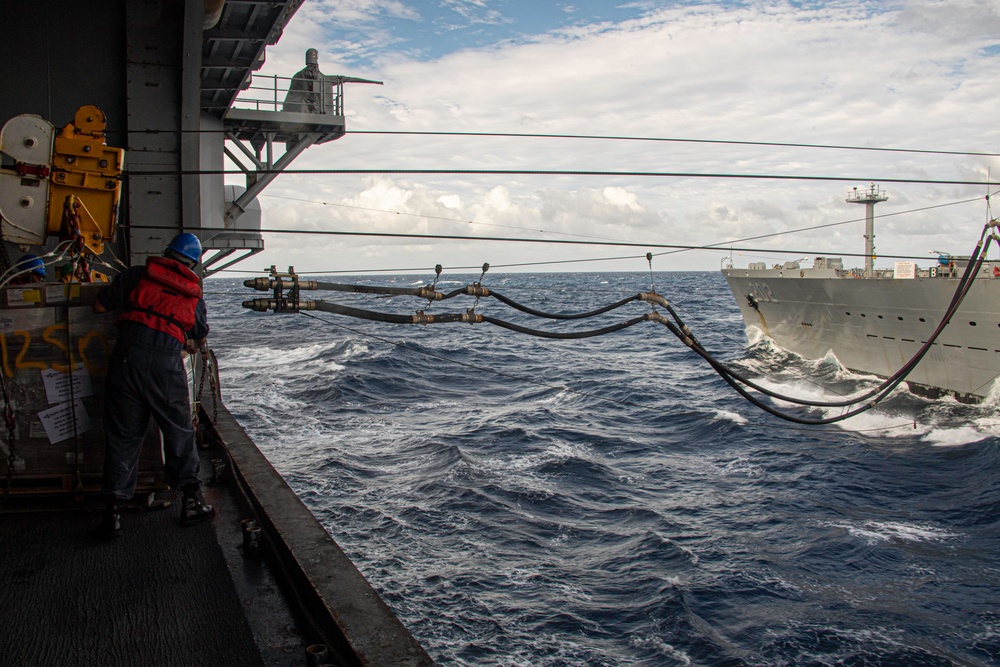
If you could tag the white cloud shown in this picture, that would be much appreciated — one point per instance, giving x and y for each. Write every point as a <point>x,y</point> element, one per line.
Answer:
<point>837,73</point>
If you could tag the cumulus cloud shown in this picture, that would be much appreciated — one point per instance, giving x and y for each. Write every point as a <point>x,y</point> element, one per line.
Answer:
<point>839,73</point>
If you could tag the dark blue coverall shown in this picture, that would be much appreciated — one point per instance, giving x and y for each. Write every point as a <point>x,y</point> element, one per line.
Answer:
<point>146,376</point>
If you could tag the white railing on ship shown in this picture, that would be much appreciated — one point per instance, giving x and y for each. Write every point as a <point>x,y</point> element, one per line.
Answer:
<point>271,93</point>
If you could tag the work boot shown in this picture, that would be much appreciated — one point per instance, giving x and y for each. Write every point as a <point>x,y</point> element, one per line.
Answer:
<point>194,511</point>
<point>111,524</point>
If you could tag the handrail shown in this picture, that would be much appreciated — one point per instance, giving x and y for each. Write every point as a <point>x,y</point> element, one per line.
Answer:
<point>282,93</point>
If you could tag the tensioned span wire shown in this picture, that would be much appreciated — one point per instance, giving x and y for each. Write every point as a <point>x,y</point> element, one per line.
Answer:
<point>730,142</point>
<point>455,237</point>
<point>735,379</point>
<point>710,246</point>
<point>555,172</point>
<point>602,238</point>
<point>525,135</point>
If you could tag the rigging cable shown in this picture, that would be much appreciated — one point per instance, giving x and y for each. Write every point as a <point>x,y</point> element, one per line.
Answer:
<point>711,246</point>
<point>454,237</point>
<point>680,330</point>
<point>530,380</point>
<point>551,172</point>
<point>879,393</point>
<point>769,144</point>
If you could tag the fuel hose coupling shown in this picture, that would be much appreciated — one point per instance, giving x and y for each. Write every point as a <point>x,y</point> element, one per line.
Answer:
<point>259,284</point>
<point>267,284</point>
<point>477,290</point>
<point>279,305</point>
<point>429,293</point>
<point>653,297</point>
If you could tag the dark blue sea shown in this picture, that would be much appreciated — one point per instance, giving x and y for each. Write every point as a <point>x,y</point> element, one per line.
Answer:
<point>611,501</point>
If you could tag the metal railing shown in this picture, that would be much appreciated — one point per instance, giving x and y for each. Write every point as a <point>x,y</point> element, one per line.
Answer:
<point>274,93</point>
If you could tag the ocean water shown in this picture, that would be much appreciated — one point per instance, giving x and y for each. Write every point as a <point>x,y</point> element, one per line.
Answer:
<point>610,501</point>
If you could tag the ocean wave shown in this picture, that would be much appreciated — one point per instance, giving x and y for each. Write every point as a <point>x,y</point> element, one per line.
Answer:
<point>611,501</point>
<point>876,532</point>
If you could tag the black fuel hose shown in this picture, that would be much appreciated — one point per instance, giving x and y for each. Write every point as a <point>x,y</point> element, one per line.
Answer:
<point>560,316</point>
<point>569,335</point>
<point>877,394</point>
<point>446,318</point>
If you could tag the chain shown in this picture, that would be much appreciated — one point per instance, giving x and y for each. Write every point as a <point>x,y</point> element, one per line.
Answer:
<point>205,362</point>
<point>4,256</point>
<point>216,393</point>
<point>652,286</point>
<point>8,414</point>
<point>486,267</point>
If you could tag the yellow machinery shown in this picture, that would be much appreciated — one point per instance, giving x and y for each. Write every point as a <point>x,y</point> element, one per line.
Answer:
<point>53,349</point>
<point>64,183</point>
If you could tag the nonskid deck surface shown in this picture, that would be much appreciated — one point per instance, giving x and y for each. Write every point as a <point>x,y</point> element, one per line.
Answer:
<point>159,595</point>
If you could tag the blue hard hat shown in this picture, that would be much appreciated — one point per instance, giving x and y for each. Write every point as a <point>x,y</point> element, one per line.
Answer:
<point>32,263</point>
<point>186,244</point>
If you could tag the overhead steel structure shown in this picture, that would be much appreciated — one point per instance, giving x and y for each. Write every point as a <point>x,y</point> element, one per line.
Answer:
<point>176,83</point>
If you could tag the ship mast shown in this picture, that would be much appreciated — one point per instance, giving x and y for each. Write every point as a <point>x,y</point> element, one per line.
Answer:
<point>869,198</point>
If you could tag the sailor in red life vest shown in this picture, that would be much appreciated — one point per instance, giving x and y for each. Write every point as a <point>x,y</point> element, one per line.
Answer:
<point>163,314</point>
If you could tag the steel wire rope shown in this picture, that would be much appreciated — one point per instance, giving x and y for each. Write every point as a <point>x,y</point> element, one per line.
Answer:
<point>552,172</point>
<point>727,373</point>
<point>534,381</point>
<point>878,394</point>
<point>705,247</point>
<point>434,217</point>
<point>712,247</point>
<point>453,237</point>
<point>824,226</point>
<point>734,142</point>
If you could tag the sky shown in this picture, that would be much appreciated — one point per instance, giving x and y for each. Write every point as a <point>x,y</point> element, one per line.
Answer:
<point>735,82</point>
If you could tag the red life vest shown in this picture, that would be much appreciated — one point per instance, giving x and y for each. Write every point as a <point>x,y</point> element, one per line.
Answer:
<point>165,298</point>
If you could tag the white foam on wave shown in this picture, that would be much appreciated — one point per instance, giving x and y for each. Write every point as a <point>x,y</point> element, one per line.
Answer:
<point>656,643</point>
<point>877,423</point>
<point>934,424</point>
<point>804,390</point>
<point>518,471</point>
<point>876,532</point>
<point>560,397</point>
<point>355,349</point>
<point>956,437</point>
<point>263,356</point>
<point>742,465</point>
<point>726,415</point>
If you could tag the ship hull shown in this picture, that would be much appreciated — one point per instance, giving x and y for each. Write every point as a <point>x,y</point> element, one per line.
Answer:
<point>876,325</point>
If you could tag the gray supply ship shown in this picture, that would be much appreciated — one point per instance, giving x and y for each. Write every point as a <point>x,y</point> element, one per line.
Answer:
<point>874,321</point>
